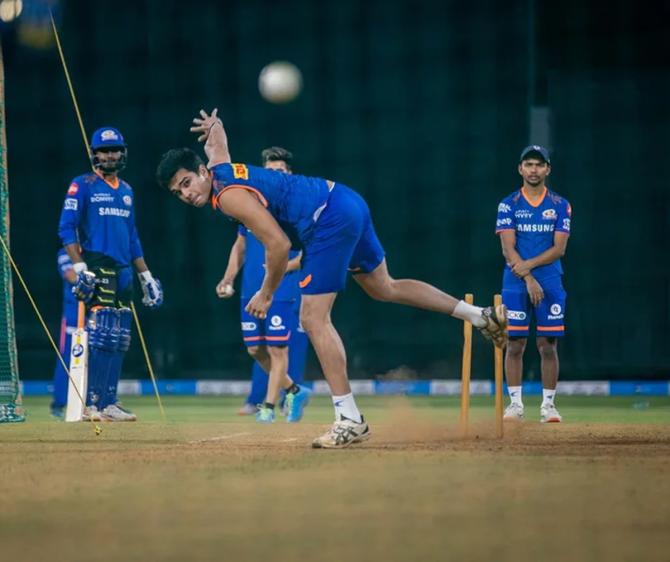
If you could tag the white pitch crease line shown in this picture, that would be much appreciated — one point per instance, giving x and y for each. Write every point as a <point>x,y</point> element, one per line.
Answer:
<point>289,440</point>
<point>220,437</point>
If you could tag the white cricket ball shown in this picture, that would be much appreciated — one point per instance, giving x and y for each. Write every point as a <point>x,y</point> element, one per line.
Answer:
<point>280,82</point>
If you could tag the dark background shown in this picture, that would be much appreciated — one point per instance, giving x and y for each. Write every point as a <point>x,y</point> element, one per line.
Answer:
<point>422,107</point>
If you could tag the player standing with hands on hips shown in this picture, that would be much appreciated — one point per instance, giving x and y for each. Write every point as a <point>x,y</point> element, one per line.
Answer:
<point>333,226</point>
<point>534,226</point>
<point>97,229</point>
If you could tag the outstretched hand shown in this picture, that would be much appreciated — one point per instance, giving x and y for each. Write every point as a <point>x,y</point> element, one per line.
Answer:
<point>204,124</point>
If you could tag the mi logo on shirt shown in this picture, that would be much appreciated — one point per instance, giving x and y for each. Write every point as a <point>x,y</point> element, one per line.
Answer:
<point>240,172</point>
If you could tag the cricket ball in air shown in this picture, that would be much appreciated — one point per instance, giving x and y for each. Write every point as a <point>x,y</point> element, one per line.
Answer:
<point>280,82</point>
<point>98,430</point>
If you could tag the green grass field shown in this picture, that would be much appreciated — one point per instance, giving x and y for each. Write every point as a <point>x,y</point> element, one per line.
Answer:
<point>209,485</point>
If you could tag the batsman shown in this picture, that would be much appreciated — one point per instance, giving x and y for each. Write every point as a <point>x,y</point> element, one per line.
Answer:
<point>97,229</point>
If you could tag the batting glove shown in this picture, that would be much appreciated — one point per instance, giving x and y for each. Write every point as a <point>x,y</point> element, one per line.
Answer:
<point>84,288</point>
<point>152,290</point>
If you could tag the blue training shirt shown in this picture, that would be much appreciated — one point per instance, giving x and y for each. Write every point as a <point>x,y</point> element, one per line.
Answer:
<point>294,201</point>
<point>254,271</point>
<point>535,226</point>
<point>100,218</point>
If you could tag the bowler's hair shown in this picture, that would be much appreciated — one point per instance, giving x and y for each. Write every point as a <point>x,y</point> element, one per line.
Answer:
<point>174,160</point>
<point>277,154</point>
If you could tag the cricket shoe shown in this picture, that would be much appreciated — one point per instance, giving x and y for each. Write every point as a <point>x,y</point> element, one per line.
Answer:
<point>549,414</point>
<point>265,415</point>
<point>91,413</point>
<point>343,433</point>
<point>115,413</point>
<point>247,410</point>
<point>514,412</point>
<point>57,413</point>
<point>496,324</point>
<point>295,404</point>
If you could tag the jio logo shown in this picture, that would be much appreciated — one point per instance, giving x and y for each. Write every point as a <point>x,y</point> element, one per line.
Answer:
<point>555,309</point>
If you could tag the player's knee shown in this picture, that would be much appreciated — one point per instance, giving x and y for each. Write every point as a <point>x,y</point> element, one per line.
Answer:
<point>254,351</point>
<point>516,347</point>
<point>125,325</point>
<point>104,328</point>
<point>277,350</point>
<point>547,347</point>
<point>310,321</point>
<point>381,290</point>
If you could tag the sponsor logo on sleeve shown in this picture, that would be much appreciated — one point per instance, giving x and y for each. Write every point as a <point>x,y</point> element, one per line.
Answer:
<point>549,214</point>
<point>71,204</point>
<point>504,222</point>
<point>72,190</point>
<point>566,224</point>
<point>240,172</point>
<point>504,208</point>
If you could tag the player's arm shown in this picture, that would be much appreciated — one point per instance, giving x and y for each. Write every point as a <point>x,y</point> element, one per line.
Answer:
<point>557,251</point>
<point>508,243</point>
<point>244,207</point>
<point>214,135</point>
<point>236,259</point>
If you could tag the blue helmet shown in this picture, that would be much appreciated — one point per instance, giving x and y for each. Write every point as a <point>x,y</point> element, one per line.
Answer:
<point>106,138</point>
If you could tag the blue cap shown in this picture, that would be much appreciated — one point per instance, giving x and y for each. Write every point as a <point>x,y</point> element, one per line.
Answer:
<point>536,150</point>
<point>107,137</point>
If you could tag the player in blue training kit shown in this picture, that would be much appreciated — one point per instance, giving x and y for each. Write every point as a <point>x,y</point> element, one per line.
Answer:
<point>68,325</point>
<point>332,225</point>
<point>534,226</point>
<point>97,229</point>
<point>271,340</point>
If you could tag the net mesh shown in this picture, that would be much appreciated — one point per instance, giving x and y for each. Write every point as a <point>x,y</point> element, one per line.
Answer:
<point>10,391</point>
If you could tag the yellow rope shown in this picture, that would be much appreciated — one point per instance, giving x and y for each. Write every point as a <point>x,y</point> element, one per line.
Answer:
<point>146,358</point>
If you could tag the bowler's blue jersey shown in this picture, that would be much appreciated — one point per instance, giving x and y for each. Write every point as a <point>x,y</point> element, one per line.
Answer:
<point>534,226</point>
<point>294,201</point>
<point>254,270</point>
<point>100,218</point>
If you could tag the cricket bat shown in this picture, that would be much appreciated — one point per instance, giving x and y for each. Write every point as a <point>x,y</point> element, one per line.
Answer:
<point>77,386</point>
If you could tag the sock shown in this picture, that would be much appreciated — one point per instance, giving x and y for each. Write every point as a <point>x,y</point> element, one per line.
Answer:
<point>515,394</point>
<point>346,406</point>
<point>293,389</point>
<point>548,396</point>
<point>268,405</point>
<point>470,313</point>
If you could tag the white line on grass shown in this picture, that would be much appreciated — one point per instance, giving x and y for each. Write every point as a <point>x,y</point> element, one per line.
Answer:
<point>219,438</point>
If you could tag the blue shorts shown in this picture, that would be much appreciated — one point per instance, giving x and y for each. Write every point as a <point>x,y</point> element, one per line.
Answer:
<point>275,330</point>
<point>549,314</point>
<point>344,240</point>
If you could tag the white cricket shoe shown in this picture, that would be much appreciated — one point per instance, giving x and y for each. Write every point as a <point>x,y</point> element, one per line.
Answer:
<point>496,324</point>
<point>549,414</point>
<point>116,413</point>
<point>91,413</point>
<point>247,410</point>
<point>514,412</point>
<point>343,433</point>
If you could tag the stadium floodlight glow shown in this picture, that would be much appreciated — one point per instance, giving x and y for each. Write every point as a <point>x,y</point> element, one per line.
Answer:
<point>10,10</point>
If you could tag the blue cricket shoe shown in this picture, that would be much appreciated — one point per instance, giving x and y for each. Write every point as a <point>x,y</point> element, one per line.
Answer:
<point>296,403</point>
